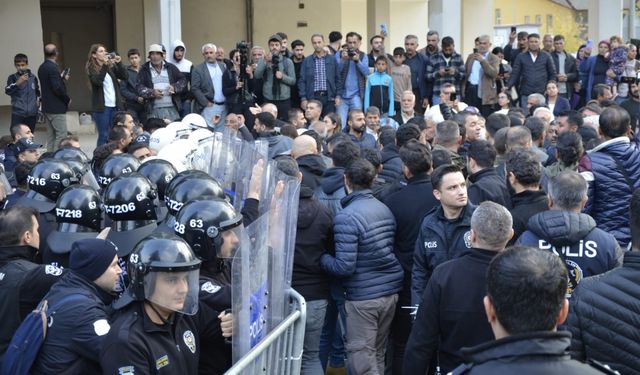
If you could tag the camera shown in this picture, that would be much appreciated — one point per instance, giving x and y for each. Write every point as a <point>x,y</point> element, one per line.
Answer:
<point>453,96</point>
<point>351,52</point>
<point>111,55</point>
<point>243,49</point>
<point>275,60</point>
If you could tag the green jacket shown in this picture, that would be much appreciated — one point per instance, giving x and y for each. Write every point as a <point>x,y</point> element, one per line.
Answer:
<point>265,72</point>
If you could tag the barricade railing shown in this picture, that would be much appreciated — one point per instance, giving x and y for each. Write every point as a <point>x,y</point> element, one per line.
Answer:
<point>280,351</point>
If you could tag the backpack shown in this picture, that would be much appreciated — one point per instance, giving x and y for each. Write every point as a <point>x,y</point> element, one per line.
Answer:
<point>28,338</point>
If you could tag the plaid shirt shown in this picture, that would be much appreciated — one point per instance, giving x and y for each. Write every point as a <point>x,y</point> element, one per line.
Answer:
<point>438,62</point>
<point>320,83</point>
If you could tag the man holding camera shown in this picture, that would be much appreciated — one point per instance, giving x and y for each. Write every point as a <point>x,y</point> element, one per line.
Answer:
<point>353,65</point>
<point>278,75</point>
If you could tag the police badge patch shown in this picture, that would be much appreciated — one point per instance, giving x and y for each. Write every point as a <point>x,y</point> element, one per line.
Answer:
<point>52,270</point>
<point>467,239</point>
<point>190,341</point>
<point>162,361</point>
<point>210,288</point>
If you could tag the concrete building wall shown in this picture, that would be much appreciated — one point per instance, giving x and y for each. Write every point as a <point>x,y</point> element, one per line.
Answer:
<point>408,17</point>
<point>129,30</point>
<point>477,19</point>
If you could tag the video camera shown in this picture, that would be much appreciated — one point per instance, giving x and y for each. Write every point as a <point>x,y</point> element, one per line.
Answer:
<point>243,48</point>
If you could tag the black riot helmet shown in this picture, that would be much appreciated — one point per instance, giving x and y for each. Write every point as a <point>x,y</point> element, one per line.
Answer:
<point>158,259</point>
<point>160,172</point>
<point>130,197</point>
<point>191,188</point>
<point>81,205</point>
<point>47,179</point>
<point>115,166</point>
<point>71,153</point>
<point>205,224</point>
<point>181,177</point>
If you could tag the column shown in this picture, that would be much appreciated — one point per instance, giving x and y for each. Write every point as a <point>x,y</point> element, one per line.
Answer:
<point>378,12</point>
<point>445,16</point>
<point>162,23</point>
<point>605,19</point>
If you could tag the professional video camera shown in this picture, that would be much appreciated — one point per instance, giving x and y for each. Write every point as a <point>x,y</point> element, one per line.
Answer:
<point>275,61</point>
<point>243,48</point>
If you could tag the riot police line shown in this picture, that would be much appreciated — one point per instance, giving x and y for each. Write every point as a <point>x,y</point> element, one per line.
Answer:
<point>204,233</point>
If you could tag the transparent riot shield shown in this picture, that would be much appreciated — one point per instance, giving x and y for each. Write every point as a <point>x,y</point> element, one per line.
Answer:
<point>283,218</point>
<point>4,181</point>
<point>250,288</point>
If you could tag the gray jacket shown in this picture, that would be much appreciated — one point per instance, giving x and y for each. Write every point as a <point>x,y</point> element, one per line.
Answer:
<point>265,72</point>
<point>202,86</point>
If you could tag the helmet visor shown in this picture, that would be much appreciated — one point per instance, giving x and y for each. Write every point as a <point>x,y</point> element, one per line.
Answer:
<point>175,291</point>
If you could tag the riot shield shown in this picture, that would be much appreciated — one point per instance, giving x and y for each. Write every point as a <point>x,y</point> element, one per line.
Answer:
<point>250,288</point>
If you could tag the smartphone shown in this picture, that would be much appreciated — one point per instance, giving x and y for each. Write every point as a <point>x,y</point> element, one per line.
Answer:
<point>383,30</point>
<point>475,50</point>
<point>630,80</point>
<point>589,43</point>
<point>66,72</point>
<point>513,29</point>
<point>453,97</point>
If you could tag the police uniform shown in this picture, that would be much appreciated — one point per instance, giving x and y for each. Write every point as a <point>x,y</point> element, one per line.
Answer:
<point>217,295</point>
<point>137,345</point>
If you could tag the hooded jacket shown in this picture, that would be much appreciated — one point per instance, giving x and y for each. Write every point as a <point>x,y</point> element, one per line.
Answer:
<point>314,237</point>
<point>364,232</point>
<point>183,65</point>
<point>614,166</point>
<point>278,144</point>
<point>524,205</point>
<point>439,240</point>
<point>391,163</point>
<point>331,189</point>
<point>585,249</point>
<point>312,168</point>
<point>24,97</point>
<point>487,185</point>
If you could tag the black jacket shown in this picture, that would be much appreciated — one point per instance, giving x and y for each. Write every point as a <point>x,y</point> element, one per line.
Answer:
<point>331,189</point>
<point>128,87</point>
<point>585,249</point>
<point>314,237</point>
<point>409,206</point>
<point>22,286</point>
<point>452,314</point>
<point>54,91</point>
<point>439,240</point>
<point>487,185</point>
<point>391,163</point>
<point>604,316</point>
<point>144,84</point>
<point>116,72</point>
<point>531,77</point>
<point>76,334</point>
<point>533,353</point>
<point>312,168</point>
<point>135,344</point>
<point>524,205</point>
<point>215,292</point>
<point>570,70</point>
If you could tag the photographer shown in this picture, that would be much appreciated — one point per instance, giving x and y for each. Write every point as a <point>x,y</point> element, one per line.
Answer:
<point>104,69</point>
<point>278,76</point>
<point>237,85</point>
<point>353,65</point>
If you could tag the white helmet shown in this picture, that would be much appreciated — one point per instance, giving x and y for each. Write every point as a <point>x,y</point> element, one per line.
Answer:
<point>182,130</point>
<point>176,164</point>
<point>200,135</point>
<point>179,151</point>
<point>194,121</point>
<point>160,138</point>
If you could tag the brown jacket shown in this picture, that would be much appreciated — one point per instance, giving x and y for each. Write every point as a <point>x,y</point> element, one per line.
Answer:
<point>490,68</point>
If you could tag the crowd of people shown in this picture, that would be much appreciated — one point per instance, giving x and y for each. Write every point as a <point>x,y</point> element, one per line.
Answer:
<point>477,215</point>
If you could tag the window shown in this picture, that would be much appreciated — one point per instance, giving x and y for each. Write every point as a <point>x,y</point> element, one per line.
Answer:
<point>527,19</point>
<point>538,20</point>
<point>498,19</point>
<point>549,21</point>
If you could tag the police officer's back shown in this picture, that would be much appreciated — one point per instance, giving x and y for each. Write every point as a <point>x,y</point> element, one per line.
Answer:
<point>78,328</point>
<point>23,283</point>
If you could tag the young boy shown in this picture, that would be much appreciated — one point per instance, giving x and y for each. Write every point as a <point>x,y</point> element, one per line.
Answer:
<point>401,75</point>
<point>24,91</point>
<point>379,90</point>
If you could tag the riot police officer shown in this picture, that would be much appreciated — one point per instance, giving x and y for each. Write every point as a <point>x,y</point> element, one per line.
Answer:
<point>78,213</point>
<point>115,166</point>
<point>160,172</point>
<point>129,201</point>
<point>160,323</point>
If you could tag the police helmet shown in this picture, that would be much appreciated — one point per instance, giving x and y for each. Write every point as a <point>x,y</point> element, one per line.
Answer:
<point>192,188</point>
<point>160,172</point>
<point>159,260</point>
<point>79,204</point>
<point>130,197</point>
<point>203,223</point>
<point>181,176</point>
<point>116,165</point>
<point>71,153</point>
<point>47,179</point>
<point>195,121</point>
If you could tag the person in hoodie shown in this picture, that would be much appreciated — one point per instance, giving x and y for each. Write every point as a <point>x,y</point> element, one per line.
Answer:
<point>379,89</point>
<point>22,86</point>
<point>265,127</point>
<point>486,184</point>
<point>75,337</point>
<point>177,58</point>
<point>331,191</point>
<point>570,234</point>
<point>305,152</point>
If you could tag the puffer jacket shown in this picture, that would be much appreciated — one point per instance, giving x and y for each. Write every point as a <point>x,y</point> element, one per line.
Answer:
<point>585,249</point>
<point>364,233</point>
<point>391,163</point>
<point>609,189</point>
<point>331,189</point>
<point>604,316</point>
<point>439,240</point>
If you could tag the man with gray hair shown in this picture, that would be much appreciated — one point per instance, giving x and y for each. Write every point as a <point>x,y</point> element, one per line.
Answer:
<point>448,139</point>
<point>570,234</point>
<point>536,99</point>
<point>451,315</point>
<point>206,87</point>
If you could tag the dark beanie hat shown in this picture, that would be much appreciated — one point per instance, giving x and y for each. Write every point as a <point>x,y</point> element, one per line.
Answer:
<point>90,257</point>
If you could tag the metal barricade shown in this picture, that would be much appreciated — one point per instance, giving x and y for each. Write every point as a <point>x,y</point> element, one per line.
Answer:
<point>280,351</point>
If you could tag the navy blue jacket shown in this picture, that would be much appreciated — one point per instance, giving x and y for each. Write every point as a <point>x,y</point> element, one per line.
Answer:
<point>54,91</point>
<point>439,240</point>
<point>364,232</point>
<point>391,163</point>
<point>331,189</point>
<point>531,77</point>
<point>24,97</point>
<point>487,185</point>
<point>77,331</point>
<point>586,250</point>
<point>366,141</point>
<point>307,78</point>
<point>608,185</point>
<point>562,104</point>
